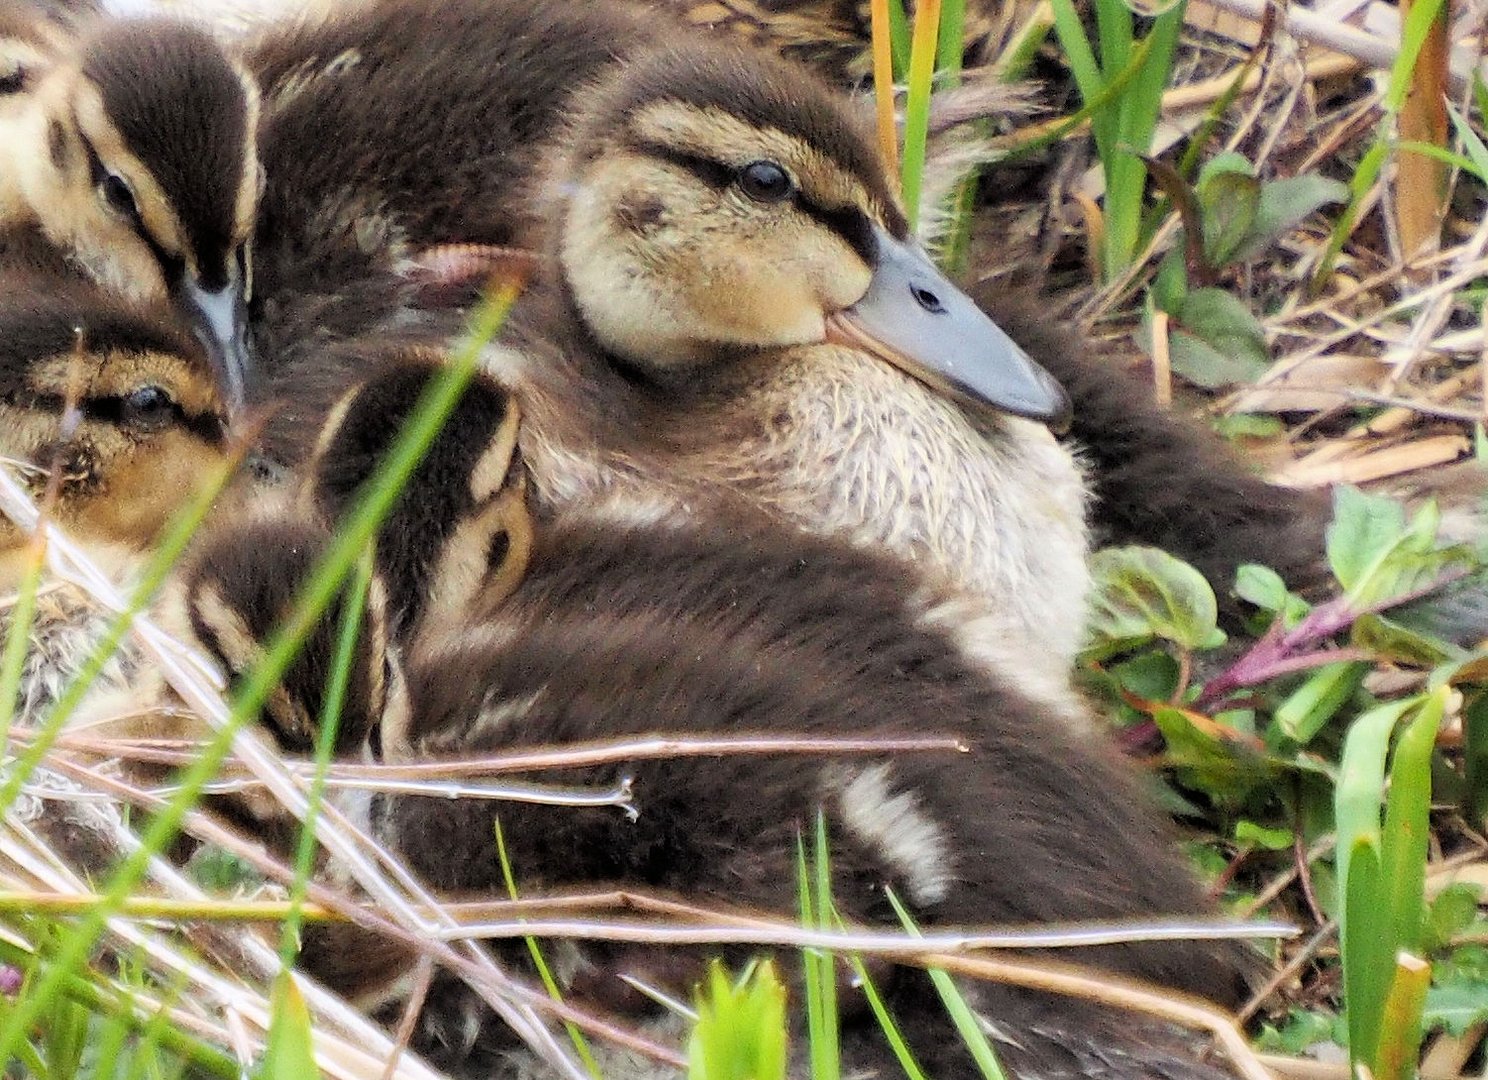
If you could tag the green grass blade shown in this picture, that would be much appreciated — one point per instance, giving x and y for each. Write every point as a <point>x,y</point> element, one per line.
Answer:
<point>1400,1026</point>
<point>967,1025</point>
<point>1367,950</point>
<point>899,39</point>
<point>1412,36</point>
<point>1113,27</point>
<point>951,41</point>
<point>917,107</point>
<point>1407,822</point>
<point>902,1053</point>
<point>325,746</point>
<point>814,886</point>
<point>290,1050</point>
<point>1360,184</point>
<point>540,962</point>
<point>1089,78</point>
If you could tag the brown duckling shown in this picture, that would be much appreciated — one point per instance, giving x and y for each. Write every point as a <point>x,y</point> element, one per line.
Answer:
<point>743,209</point>
<point>109,151</point>
<point>730,623</point>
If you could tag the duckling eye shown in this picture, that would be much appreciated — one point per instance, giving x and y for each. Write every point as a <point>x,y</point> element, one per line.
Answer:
<point>13,80</point>
<point>117,196</point>
<point>149,408</point>
<point>765,181</point>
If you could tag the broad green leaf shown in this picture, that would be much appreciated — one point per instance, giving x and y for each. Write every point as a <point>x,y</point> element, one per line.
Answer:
<point>1228,205</point>
<point>1365,528</point>
<point>1227,765</point>
<point>1309,707</point>
<point>1390,641</point>
<point>1151,676</point>
<point>1143,593</point>
<point>1263,587</point>
<point>1282,205</point>
<point>1170,285</point>
<point>1456,1007</point>
<point>290,1051</point>
<point>1216,340</point>
<point>1452,912</point>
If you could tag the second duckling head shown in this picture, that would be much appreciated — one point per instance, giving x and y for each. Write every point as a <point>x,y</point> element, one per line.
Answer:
<point>152,200</point>
<point>714,200</point>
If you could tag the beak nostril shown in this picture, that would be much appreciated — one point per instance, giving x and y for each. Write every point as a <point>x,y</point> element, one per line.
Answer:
<point>927,299</point>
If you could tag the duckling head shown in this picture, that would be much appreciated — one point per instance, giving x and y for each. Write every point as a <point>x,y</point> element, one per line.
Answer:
<point>712,202</point>
<point>145,173</point>
<point>115,400</point>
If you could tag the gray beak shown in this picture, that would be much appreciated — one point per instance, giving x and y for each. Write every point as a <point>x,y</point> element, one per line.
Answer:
<point>220,320</point>
<point>913,317</point>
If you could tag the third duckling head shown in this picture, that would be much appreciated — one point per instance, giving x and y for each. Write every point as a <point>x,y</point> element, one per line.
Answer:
<point>714,200</point>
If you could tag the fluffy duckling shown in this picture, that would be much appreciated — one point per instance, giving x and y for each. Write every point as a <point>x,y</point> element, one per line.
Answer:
<point>734,624</point>
<point>729,306</point>
<point>109,154</point>
<point>111,412</point>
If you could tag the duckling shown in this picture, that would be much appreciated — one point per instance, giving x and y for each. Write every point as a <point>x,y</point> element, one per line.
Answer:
<point>111,413</point>
<point>777,337</point>
<point>735,623</point>
<point>108,157</point>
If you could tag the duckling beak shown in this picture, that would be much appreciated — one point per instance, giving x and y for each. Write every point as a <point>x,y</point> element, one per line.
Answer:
<point>913,317</point>
<point>220,320</point>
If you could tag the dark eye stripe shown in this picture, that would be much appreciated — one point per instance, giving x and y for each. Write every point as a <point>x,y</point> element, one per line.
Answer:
<point>849,222</point>
<point>171,266</point>
<point>109,409</point>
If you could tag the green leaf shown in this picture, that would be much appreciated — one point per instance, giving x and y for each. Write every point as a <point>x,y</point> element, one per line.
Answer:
<point>1363,531</point>
<point>1407,827</point>
<point>1452,912</point>
<point>290,1051</point>
<point>740,1032</point>
<point>1261,586</point>
<point>1282,205</point>
<point>1228,204</point>
<point>1170,285</point>
<point>1225,163</point>
<point>1309,707</point>
<point>1367,956</point>
<point>1301,1031</point>
<point>1143,593</point>
<point>1227,768</point>
<point>1248,426</point>
<point>1390,641</point>
<point>1216,341</point>
<point>1249,832</point>
<point>1376,554</point>
<point>1456,1007</point>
